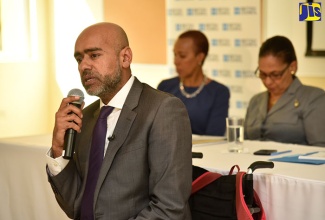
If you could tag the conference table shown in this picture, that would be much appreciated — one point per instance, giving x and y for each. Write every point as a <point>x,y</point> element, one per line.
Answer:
<point>24,190</point>
<point>288,191</point>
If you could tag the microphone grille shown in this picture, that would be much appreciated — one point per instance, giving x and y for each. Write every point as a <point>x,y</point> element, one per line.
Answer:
<point>77,92</point>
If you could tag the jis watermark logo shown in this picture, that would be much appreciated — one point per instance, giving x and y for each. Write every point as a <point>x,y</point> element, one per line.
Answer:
<point>311,11</point>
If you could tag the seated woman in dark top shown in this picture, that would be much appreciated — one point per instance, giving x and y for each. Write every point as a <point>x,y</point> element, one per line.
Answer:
<point>288,111</point>
<point>206,100</point>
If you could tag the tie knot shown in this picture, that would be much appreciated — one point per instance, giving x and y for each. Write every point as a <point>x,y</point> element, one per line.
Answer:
<point>105,111</point>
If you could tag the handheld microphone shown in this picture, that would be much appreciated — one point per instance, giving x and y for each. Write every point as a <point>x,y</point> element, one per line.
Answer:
<point>70,134</point>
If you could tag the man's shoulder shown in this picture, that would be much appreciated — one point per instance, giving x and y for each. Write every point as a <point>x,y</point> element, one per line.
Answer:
<point>150,91</point>
<point>142,93</point>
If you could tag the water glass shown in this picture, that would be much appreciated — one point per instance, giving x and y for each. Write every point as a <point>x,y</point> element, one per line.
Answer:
<point>235,134</point>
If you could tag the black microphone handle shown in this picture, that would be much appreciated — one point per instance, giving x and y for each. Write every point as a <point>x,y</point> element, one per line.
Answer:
<point>69,140</point>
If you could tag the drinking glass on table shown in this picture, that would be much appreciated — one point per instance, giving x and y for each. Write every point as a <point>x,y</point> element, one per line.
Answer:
<point>235,134</point>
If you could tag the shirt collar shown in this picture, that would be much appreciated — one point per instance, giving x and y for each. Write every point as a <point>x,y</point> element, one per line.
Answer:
<point>119,99</point>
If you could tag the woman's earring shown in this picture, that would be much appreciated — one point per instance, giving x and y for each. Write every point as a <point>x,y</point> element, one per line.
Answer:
<point>292,72</point>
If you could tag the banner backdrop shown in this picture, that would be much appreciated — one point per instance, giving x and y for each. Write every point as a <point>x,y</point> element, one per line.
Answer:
<point>234,32</point>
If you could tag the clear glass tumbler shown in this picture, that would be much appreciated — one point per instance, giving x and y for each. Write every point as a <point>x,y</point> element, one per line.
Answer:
<point>235,134</point>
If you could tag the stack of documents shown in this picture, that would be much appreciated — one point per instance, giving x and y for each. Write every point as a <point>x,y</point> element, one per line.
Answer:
<point>199,140</point>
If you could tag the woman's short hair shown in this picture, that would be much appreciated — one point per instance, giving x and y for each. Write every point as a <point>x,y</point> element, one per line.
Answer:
<point>200,41</point>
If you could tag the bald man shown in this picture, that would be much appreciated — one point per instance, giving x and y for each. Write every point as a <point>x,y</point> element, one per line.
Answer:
<point>147,167</point>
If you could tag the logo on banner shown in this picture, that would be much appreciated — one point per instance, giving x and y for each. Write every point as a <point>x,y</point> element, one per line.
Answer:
<point>310,11</point>
<point>220,42</point>
<point>245,43</point>
<point>220,11</point>
<point>245,11</point>
<point>244,74</point>
<point>221,73</point>
<point>196,11</point>
<point>232,58</point>
<point>208,27</point>
<point>241,104</point>
<point>183,27</point>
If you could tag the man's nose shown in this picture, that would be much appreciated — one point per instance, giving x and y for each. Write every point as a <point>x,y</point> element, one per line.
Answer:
<point>84,65</point>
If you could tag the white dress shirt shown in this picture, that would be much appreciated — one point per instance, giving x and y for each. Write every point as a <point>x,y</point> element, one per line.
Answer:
<point>56,165</point>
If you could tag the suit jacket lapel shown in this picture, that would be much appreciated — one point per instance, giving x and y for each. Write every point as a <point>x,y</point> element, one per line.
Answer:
<point>287,98</point>
<point>84,141</point>
<point>121,130</point>
<point>262,105</point>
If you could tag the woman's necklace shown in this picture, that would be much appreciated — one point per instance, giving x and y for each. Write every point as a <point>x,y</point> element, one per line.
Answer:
<point>196,92</point>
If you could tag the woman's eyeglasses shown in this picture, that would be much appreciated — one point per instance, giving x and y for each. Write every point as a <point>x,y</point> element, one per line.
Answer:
<point>273,76</point>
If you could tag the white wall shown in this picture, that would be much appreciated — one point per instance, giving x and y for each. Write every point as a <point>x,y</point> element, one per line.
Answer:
<point>82,13</point>
<point>37,58</point>
<point>149,73</point>
<point>23,72</point>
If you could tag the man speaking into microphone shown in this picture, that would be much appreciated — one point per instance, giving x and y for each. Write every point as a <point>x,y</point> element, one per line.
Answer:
<point>133,147</point>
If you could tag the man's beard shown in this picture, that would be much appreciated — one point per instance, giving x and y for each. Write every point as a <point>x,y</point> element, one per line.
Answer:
<point>109,84</point>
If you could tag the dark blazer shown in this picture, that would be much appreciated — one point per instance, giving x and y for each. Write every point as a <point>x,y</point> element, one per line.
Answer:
<point>147,169</point>
<point>298,117</point>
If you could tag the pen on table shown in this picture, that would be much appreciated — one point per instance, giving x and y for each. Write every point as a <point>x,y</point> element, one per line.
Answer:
<point>281,152</point>
<point>315,152</point>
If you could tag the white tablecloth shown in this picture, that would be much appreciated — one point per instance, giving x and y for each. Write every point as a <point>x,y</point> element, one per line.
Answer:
<point>25,193</point>
<point>288,191</point>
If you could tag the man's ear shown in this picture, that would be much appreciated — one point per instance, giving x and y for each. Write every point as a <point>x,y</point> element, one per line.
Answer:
<point>126,57</point>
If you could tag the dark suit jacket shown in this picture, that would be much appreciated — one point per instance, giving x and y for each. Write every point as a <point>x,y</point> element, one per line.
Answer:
<point>147,169</point>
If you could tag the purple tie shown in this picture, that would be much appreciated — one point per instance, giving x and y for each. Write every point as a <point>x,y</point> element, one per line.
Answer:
<point>95,162</point>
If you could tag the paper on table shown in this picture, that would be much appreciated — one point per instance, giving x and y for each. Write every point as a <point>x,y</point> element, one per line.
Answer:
<point>206,139</point>
<point>316,156</point>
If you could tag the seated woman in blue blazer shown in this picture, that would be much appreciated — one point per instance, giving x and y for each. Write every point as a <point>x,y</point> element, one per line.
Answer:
<point>206,100</point>
<point>288,111</point>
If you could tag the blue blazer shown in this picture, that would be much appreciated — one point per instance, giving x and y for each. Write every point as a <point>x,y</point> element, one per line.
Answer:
<point>208,110</point>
